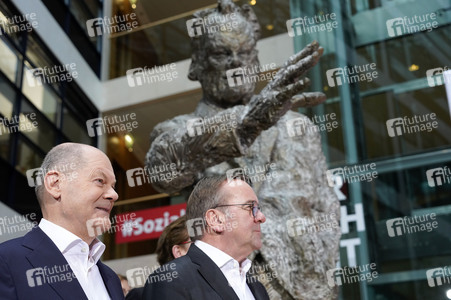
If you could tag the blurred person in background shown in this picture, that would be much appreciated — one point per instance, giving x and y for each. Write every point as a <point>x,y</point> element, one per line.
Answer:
<point>124,283</point>
<point>173,243</point>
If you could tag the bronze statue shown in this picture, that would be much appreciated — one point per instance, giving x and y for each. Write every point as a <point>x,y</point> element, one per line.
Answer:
<point>234,130</point>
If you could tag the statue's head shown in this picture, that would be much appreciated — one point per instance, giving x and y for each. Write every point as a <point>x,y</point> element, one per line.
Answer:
<point>226,39</point>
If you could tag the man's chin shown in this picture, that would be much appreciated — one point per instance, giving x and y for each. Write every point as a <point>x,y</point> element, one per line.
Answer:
<point>258,245</point>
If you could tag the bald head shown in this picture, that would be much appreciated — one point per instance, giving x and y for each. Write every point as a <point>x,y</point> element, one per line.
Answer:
<point>65,158</point>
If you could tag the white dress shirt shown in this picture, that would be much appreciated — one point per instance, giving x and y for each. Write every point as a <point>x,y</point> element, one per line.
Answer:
<point>81,257</point>
<point>235,274</point>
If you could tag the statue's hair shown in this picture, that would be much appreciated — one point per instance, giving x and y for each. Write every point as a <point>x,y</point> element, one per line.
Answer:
<point>225,7</point>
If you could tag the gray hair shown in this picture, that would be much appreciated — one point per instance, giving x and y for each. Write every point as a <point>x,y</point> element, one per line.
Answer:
<point>64,158</point>
<point>207,194</point>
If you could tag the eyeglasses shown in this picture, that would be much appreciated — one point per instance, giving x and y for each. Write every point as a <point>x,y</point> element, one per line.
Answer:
<point>187,242</point>
<point>255,207</point>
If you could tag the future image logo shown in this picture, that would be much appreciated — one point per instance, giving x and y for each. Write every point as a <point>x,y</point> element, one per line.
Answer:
<point>435,77</point>
<point>50,75</point>
<point>18,23</point>
<point>351,174</point>
<point>49,275</point>
<point>410,225</point>
<point>257,173</point>
<point>141,76</point>
<point>136,277</point>
<point>303,125</point>
<point>210,125</point>
<point>111,124</point>
<point>211,24</point>
<point>98,226</point>
<point>312,225</point>
<point>35,77</point>
<point>438,276</point>
<point>160,173</point>
<point>250,74</point>
<point>35,177</point>
<point>235,77</point>
<point>68,171</point>
<point>438,176</point>
<point>115,24</point>
<point>196,227</point>
<point>307,25</point>
<point>18,123</point>
<point>408,125</point>
<point>346,275</point>
<point>411,24</point>
<point>351,74</point>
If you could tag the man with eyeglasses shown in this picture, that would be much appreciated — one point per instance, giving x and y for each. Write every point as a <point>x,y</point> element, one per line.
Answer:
<point>223,221</point>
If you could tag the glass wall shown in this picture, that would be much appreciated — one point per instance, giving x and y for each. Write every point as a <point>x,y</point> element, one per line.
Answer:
<point>37,111</point>
<point>161,38</point>
<point>72,16</point>
<point>395,115</point>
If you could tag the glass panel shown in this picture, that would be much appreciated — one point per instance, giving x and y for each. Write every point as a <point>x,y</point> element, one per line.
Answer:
<point>416,199</point>
<point>27,158</point>
<point>400,121</point>
<point>83,11</point>
<point>161,44</point>
<point>329,121</point>
<point>16,31</point>
<point>8,61</point>
<point>430,103</point>
<point>40,56</point>
<point>42,96</point>
<point>406,58</point>
<point>74,130</point>
<point>4,142</point>
<point>43,134</point>
<point>7,96</point>
<point>418,289</point>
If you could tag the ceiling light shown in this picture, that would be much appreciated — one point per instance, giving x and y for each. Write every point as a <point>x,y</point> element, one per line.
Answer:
<point>413,67</point>
<point>129,141</point>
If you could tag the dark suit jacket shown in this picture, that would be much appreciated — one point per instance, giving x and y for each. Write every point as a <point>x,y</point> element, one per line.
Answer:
<point>36,250</point>
<point>196,277</point>
<point>135,294</point>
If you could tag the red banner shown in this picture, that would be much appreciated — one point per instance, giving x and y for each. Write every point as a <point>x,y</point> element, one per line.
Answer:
<point>146,224</point>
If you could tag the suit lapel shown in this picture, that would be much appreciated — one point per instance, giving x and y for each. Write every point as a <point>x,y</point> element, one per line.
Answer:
<point>47,256</point>
<point>254,287</point>
<point>109,282</point>
<point>211,273</point>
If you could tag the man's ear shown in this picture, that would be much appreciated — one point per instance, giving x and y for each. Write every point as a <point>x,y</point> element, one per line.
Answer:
<point>215,220</point>
<point>52,183</point>
<point>177,251</point>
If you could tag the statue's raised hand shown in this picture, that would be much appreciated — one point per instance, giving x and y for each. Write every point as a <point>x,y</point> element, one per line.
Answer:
<point>283,92</point>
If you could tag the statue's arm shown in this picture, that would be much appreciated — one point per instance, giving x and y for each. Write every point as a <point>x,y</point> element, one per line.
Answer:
<point>173,145</point>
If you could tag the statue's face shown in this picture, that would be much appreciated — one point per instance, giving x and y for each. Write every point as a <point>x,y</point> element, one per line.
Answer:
<point>223,51</point>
